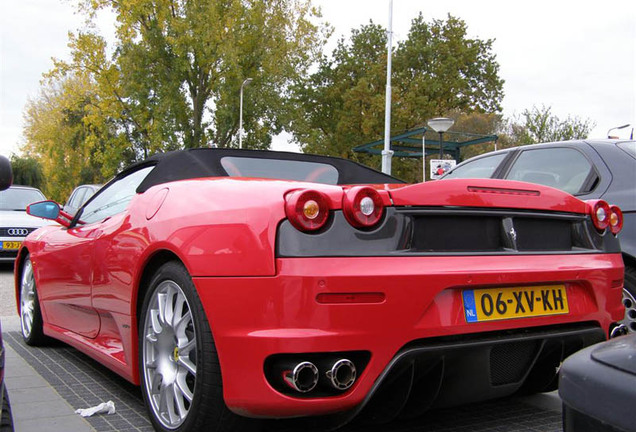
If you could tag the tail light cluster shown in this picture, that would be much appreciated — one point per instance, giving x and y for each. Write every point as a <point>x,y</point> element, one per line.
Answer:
<point>308,210</point>
<point>605,216</point>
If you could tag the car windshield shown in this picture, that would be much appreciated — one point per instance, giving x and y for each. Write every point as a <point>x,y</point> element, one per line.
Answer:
<point>18,199</point>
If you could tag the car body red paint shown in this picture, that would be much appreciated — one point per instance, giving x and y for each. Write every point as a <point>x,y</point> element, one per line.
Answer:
<point>258,303</point>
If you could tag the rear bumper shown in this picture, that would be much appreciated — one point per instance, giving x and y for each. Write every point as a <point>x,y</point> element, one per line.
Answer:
<point>253,318</point>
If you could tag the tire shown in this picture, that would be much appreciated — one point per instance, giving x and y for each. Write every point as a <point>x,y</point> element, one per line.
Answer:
<point>178,364</point>
<point>30,312</point>
<point>629,299</point>
<point>6,421</point>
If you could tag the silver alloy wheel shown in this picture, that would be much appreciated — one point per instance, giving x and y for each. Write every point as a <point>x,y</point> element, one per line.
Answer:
<point>27,299</point>
<point>630,311</point>
<point>169,355</point>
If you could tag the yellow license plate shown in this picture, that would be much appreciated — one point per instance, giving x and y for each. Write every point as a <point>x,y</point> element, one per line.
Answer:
<point>514,302</point>
<point>11,245</point>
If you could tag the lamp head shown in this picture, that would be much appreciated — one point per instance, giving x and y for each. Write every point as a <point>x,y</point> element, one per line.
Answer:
<point>441,124</point>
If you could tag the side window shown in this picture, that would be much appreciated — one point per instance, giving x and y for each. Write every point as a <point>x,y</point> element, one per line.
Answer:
<point>76,199</point>
<point>114,198</point>
<point>479,168</point>
<point>89,193</point>
<point>562,168</point>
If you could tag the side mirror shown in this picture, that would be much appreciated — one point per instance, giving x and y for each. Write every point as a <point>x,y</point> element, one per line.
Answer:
<point>6,175</point>
<point>49,210</point>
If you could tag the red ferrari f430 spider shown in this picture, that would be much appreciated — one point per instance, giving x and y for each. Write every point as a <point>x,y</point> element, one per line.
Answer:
<point>234,285</point>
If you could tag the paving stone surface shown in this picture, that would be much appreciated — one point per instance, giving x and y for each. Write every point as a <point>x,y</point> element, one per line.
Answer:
<point>83,383</point>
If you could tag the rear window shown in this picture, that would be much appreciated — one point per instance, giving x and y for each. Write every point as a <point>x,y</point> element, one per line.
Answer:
<point>479,168</point>
<point>558,167</point>
<point>280,169</point>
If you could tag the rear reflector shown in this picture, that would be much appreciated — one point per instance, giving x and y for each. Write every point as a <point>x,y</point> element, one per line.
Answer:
<point>348,298</point>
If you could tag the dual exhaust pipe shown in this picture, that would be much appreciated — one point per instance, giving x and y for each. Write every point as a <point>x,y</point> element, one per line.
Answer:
<point>304,376</point>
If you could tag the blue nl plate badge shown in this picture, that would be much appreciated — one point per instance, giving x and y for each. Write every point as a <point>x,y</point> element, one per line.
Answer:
<point>469,306</point>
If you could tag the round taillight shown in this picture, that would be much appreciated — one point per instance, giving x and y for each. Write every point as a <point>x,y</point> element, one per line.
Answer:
<point>307,210</point>
<point>600,212</point>
<point>362,206</point>
<point>615,219</point>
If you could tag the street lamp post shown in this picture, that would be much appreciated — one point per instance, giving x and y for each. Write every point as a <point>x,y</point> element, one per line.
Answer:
<point>441,125</point>
<point>387,153</point>
<point>246,82</point>
<point>617,127</point>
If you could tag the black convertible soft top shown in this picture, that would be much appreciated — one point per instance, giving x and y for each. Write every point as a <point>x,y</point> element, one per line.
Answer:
<point>207,162</point>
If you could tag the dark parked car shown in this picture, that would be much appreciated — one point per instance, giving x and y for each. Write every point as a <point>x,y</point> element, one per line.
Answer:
<point>79,196</point>
<point>6,422</point>
<point>588,169</point>
<point>598,387</point>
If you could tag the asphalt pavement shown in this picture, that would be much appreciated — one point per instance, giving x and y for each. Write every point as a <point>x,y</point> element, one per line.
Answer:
<point>46,385</point>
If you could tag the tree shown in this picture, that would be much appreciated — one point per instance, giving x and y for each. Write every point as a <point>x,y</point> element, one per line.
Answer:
<point>437,69</point>
<point>70,140</point>
<point>27,171</point>
<point>174,77</point>
<point>540,125</point>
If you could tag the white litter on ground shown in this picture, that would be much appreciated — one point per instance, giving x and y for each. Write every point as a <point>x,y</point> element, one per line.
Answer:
<point>102,408</point>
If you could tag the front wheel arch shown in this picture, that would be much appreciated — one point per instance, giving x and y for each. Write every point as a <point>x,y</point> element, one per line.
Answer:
<point>17,265</point>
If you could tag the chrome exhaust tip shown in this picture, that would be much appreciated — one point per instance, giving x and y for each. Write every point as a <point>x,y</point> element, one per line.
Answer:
<point>619,330</point>
<point>303,377</point>
<point>342,374</point>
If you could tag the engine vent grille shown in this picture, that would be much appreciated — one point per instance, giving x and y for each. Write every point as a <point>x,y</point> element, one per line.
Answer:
<point>483,231</point>
<point>511,361</point>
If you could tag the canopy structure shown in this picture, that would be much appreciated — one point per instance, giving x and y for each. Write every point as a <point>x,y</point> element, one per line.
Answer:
<point>409,143</point>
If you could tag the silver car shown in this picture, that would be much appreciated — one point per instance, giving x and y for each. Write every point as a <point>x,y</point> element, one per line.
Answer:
<point>79,196</point>
<point>15,223</point>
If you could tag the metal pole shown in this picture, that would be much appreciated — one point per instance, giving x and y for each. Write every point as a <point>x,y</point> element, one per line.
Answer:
<point>441,145</point>
<point>387,153</point>
<point>423,157</point>
<point>241,118</point>
<point>245,82</point>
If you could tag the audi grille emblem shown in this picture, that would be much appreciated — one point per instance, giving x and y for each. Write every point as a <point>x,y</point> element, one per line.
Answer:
<point>18,232</point>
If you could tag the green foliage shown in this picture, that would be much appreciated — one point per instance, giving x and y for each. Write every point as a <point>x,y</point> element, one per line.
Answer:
<point>27,171</point>
<point>71,141</point>
<point>436,70</point>
<point>174,78</point>
<point>170,81</point>
<point>540,125</point>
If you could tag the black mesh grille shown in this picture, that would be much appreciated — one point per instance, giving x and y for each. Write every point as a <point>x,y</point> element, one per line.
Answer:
<point>543,234</point>
<point>460,231</point>
<point>457,234</point>
<point>9,254</point>
<point>510,362</point>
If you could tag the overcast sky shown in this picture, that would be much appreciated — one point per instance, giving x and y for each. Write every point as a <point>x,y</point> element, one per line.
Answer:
<point>579,57</point>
